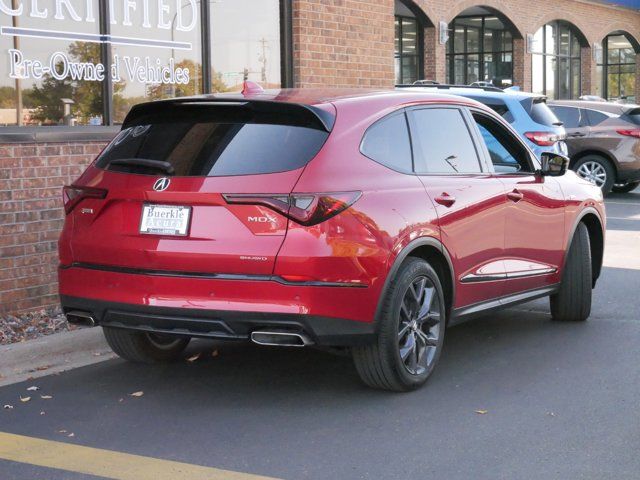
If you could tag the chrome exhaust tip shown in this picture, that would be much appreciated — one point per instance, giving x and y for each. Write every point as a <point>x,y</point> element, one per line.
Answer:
<point>77,316</point>
<point>280,338</point>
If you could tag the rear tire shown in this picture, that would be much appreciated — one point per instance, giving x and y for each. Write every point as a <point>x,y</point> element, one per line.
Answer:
<point>143,347</point>
<point>572,303</point>
<point>598,170</point>
<point>410,331</point>
<point>625,187</point>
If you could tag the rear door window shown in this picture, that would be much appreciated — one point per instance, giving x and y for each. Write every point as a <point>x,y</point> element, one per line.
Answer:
<point>387,142</point>
<point>569,116</point>
<point>442,142</point>
<point>212,145</point>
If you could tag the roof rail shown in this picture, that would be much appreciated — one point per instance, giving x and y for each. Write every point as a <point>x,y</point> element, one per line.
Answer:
<point>444,86</point>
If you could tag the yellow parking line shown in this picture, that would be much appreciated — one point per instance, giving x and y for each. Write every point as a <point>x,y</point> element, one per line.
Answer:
<point>106,463</point>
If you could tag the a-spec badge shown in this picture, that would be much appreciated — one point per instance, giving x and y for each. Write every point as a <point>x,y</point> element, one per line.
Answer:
<point>161,184</point>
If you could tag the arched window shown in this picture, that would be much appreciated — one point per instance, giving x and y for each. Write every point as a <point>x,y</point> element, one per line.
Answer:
<point>556,61</point>
<point>617,68</point>
<point>481,49</point>
<point>409,41</point>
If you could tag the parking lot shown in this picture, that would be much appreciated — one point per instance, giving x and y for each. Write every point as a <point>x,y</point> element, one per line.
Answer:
<point>515,396</point>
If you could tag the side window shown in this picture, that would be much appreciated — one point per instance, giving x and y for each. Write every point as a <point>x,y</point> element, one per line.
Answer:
<point>595,117</point>
<point>569,116</point>
<point>387,142</point>
<point>502,110</point>
<point>507,154</point>
<point>442,142</point>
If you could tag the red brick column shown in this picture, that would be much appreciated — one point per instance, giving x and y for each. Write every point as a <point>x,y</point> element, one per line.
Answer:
<point>31,180</point>
<point>587,71</point>
<point>521,65</point>
<point>637,77</point>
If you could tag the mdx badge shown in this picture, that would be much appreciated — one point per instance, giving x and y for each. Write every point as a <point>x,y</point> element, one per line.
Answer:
<point>161,184</point>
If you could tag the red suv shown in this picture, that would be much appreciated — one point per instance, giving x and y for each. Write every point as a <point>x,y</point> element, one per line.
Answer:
<point>361,220</point>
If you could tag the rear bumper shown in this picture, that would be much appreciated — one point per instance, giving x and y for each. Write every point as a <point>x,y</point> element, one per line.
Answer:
<point>629,171</point>
<point>219,324</point>
<point>218,308</point>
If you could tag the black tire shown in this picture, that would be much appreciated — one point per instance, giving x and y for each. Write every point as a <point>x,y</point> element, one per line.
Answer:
<point>572,303</point>
<point>604,164</point>
<point>142,347</point>
<point>409,305</point>
<point>625,188</point>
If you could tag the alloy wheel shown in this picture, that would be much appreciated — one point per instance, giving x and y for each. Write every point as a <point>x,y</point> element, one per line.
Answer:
<point>593,172</point>
<point>419,326</point>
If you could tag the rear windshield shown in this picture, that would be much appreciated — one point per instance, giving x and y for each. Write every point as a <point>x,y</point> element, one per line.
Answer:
<point>214,145</point>
<point>634,115</point>
<point>540,112</point>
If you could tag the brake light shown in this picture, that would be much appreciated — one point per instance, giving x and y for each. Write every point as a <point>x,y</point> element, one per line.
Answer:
<point>634,132</point>
<point>72,195</point>
<point>304,208</point>
<point>543,139</point>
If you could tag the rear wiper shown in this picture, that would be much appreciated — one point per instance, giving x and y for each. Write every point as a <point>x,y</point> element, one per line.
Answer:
<point>144,162</point>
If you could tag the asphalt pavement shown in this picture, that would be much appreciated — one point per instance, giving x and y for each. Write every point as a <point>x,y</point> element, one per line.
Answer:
<point>515,396</point>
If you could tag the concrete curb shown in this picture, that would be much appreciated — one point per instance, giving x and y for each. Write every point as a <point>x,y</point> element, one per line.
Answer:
<point>52,354</point>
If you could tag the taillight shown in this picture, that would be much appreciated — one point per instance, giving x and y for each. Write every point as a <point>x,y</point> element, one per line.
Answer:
<point>543,139</point>
<point>303,208</point>
<point>72,195</point>
<point>633,132</point>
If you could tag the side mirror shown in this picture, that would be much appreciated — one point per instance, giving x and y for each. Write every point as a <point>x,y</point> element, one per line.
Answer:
<point>553,164</point>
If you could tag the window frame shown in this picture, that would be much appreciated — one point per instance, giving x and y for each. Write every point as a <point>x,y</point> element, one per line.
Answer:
<point>471,129</point>
<point>606,64</point>
<point>531,158</point>
<point>570,57</point>
<point>419,47</point>
<point>451,54</point>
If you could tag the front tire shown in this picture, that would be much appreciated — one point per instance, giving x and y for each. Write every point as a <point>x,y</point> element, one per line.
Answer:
<point>143,347</point>
<point>625,187</point>
<point>410,334</point>
<point>597,170</point>
<point>572,302</point>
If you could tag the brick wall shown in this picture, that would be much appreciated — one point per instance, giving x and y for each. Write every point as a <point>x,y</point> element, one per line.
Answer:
<point>343,43</point>
<point>31,178</point>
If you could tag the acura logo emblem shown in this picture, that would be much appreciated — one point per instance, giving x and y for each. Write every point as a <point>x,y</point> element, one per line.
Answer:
<point>161,184</point>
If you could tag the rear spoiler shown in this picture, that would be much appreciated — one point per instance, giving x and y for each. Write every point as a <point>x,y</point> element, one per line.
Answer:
<point>279,112</point>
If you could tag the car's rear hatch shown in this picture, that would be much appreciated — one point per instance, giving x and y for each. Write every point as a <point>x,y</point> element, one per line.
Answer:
<point>164,179</point>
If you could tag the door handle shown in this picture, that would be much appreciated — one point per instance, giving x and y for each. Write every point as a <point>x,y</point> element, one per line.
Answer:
<point>515,195</point>
<point>576,135</point>
<point>445,199</point>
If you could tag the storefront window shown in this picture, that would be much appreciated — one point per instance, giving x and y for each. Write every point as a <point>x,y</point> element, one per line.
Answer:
<point>407,61</point>
<point>86,62</point>
<point>168,61</point>
<point>49,78</point>
<point>556,61</point>
<point>618,68</point>
<point>245,44</point>
<point>481,49</point>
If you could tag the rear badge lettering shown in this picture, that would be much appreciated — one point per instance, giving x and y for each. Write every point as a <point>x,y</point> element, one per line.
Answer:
<point>260,219</point>
<point>254,259</point>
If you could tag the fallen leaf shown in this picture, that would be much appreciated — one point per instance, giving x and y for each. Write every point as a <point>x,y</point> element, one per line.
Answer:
<point>551,414</point>
<point>96,354</point>
<point>8,407</point>
<point>71,435</point>
<point>121,400</point>
<point>214,353</point>
<point>136,394</point>
<point>44,367</point>
<point>62,431</point>
<point>481,412</point>
<point>46,397</point>
<point>42,412</point>
<point>193,358</point>
<point>24,399</point>
<point>33,389</point>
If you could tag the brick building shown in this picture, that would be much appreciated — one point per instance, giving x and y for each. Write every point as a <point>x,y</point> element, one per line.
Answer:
<point>71,70</point>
